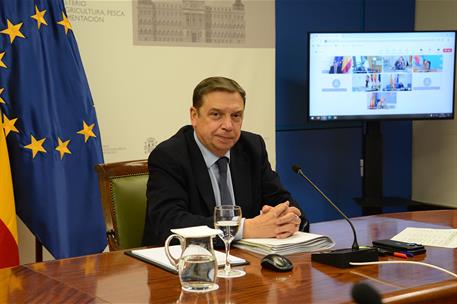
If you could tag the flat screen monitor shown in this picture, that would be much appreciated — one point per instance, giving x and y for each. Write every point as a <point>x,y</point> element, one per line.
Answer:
<point>379,76</point>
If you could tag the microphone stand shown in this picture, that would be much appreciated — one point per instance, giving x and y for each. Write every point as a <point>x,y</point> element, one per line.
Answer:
<point>340,257</point>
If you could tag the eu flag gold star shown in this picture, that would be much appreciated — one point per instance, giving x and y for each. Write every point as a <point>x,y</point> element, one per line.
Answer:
<point>87,131</point>
<point>36,146</point>
<point>8,125</point>
<point>13,30</point>
<point>1,91</point>
<point>63,147</point>
<point>39,17</point>
<point>65,23</point>
<point>2,65</point>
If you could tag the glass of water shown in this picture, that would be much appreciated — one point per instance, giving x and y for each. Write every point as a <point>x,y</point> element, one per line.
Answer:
<point>227,218</point>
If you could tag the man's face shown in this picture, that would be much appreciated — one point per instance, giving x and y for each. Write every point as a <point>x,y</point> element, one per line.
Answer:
<point>218,121</point>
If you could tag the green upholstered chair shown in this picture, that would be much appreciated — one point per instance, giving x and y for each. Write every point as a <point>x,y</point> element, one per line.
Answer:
<point>123,192</point>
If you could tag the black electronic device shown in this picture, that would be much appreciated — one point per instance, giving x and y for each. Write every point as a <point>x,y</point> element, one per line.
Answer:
<point>381,75</point>
<point>394,246</point>
<point>276,262</point>
<point>372,77</point>
<point>340,257</point>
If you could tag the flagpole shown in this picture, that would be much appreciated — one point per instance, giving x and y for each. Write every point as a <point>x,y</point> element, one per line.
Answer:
<point>38,251</point>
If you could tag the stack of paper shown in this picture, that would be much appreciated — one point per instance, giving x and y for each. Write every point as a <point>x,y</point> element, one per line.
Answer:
<point>297,243</point>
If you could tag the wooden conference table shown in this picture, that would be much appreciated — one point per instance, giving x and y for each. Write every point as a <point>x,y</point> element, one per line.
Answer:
<point>116,278</point>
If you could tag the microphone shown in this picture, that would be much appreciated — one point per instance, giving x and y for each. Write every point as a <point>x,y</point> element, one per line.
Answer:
<point>363,293</point>
<point>340,257</point>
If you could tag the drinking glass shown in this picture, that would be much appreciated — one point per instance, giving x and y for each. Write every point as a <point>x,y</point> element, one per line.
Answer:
<point>227,218</point>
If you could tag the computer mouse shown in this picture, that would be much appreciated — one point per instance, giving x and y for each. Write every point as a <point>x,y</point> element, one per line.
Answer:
<point>276,262</point>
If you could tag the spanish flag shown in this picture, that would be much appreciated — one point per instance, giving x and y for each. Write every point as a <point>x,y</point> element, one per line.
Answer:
<point>9,254</point>
<point>347,64</point>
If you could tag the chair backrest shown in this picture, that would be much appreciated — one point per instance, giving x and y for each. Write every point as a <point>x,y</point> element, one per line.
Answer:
<point>123,192</point>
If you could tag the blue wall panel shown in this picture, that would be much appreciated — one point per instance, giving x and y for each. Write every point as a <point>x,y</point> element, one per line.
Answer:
<point>330,158</point>
<point>294,19</point>
<point>330,153</point>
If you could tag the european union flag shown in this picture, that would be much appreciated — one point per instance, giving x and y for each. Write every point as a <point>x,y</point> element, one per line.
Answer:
<point>51,127</point>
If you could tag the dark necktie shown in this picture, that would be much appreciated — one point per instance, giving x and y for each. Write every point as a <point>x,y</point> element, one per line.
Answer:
<point>223,185</point>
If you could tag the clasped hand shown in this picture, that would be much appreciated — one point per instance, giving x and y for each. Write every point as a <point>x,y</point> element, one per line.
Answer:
<point>280,222</point>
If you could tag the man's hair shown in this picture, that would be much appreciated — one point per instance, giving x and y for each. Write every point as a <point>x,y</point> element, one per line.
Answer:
<point>213,84</point>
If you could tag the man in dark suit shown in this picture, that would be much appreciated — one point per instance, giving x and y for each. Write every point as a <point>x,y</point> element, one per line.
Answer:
<point>183,186</point>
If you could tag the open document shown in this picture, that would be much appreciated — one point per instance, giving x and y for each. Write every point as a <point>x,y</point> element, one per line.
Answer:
<point>429,237</point>
<point>297,243</point>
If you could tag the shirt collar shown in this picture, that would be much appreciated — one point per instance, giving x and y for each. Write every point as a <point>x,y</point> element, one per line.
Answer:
<point>209,157</point>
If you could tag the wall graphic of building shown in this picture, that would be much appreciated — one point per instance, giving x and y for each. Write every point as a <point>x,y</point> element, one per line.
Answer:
<point>191,21</point>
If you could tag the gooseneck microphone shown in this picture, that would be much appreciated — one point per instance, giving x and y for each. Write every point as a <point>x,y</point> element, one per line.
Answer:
<point>340,257</point>
<point>298,170</point>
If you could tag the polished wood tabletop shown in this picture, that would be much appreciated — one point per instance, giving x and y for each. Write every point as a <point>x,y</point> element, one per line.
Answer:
<point>117,278</point>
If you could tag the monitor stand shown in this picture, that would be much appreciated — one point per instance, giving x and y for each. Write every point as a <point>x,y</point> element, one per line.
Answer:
<point>372,200</point>
<point>372,187</point>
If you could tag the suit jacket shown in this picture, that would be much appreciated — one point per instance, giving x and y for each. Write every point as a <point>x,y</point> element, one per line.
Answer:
<point>180,194</point>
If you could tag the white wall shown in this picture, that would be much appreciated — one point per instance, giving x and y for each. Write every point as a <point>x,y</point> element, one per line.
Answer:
<point>435,142</point>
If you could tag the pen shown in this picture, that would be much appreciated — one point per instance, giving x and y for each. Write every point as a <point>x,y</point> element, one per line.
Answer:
<point>408,254</point>
<point>400,255</point>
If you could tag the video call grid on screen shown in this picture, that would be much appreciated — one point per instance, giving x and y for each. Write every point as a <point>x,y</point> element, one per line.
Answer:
<point>354,75</point>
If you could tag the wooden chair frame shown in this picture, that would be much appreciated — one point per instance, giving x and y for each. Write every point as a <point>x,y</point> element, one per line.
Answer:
<point>106,172</point>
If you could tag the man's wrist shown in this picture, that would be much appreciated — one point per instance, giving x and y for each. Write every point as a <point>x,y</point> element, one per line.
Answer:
<point>247,229</point>
<point>251,229</point>
<point>239,234</point>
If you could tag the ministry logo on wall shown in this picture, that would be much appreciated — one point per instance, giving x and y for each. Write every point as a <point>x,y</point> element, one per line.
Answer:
<point>149,145</point>
<point>210,23</point>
